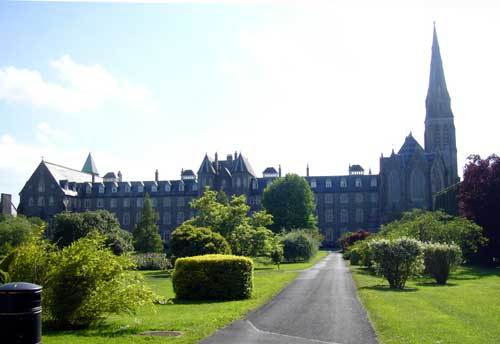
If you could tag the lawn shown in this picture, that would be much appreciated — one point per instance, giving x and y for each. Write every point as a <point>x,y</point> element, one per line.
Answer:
<point>196,320</point>
<point>467,310</point>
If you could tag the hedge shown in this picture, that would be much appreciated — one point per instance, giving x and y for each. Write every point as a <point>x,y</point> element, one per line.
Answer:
<point>213,277</point>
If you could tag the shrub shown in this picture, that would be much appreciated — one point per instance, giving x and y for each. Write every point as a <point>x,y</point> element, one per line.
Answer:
<point>440,259</point>
<point>355,256</point>
<point>213,277</point>
<point>397,259</point>
<point>4,277</point>
<point>88,282</point>
<point>299,246</point>
<point>277,254</point>
<point>152,261</point>
<point>188,240</point>
<point>349,238</point>
<point>15,231</point>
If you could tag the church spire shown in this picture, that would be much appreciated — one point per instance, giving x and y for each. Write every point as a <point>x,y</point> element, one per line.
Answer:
<point>438,100</point>
<point>89,166</point>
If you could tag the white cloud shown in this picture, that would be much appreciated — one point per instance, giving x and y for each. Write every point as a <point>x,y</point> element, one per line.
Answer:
<point>80,87</point>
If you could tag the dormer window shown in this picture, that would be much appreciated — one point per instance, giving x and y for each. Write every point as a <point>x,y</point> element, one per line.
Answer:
<point>358,182</point>
<point>313,183</point>
<point>88,189</point>
<point>154,188</point>
<point>127,188</point>
<point>328,183</point>
<point>101,189</point>
<point>114,189</point>
<point>195,187</point>
<point>140,188</point>
<point>343,183</point>
<point>181,186</point>
<point>373,182</point>
<point>167,187</point>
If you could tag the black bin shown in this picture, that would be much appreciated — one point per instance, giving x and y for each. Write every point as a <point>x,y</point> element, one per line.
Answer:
<point>20,313</point>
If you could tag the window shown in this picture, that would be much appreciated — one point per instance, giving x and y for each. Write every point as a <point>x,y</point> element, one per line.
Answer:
<point>167,219</point>
<point>126,219</point>
<point>41,186</point>
<point>140,188</point>
<point>329,215</point>
<point>417,185</point>
<point>88,189</point>
<point>394,188</point>
<point>344,198</point>
<point>344,216</point>
<point>127,188</point>
<point>126,202</point>
<point>154,202</point>
<point>329,198</point>
<point>167,187</point>
<point>255,184</point>
<point>328,183</point>
<point>180,201</point>
<point>374,197</point>
<point>238,182</point>
<point>138,217</point>
<point>359,197</point>
<point>139,202</point>
<point>313,183</point>
<point>166,202</point>
<point>343,183</point>
<point>112,203</point>
<point>181,186</point>
<point>31,202</point>
<point>195,187</point>
<point>100,203</point>
<point>358,183</point>
<point>114,189</point>
<point>86,204</point>
<point>180,217</point>
<point>154,188</point>
<point>373,182</point>
<point>51,200</point>
<point>101,188</point>
<point>359,215</point>
<point>245,183</point>
<point>41,201</point>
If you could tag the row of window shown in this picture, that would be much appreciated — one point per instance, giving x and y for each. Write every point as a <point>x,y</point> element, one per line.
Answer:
<point>113,202</point>
<point>140,188</point>
<point>344,198</point>
<point>359,215</point>
<point>166,218</point>
<point>343,183</point>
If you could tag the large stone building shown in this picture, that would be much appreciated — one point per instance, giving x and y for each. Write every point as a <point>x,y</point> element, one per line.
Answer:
<point>356,200</point>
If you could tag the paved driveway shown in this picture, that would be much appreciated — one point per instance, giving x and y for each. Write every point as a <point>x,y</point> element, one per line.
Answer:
<point>320,306</point>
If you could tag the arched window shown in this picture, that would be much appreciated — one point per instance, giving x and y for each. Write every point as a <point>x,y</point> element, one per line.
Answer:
<point>358,183</point>
<point>417,185</point>
<point>41,201</point>
<point>328,183</point>
<point>140,188</point>
<point>51,200</point>
<point>167,187</point>
<point>31,201</point>
<point>154,188</point>
<point>437,179</point>
<point>238,182</point>
<point>343,183</point>
<point>101,188</point>
<point>394,188</point>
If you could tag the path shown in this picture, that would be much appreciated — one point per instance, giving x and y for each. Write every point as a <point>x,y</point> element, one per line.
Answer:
<point>320,306</point>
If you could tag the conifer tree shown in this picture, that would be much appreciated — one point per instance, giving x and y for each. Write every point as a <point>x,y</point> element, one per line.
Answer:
<point>146,235</point>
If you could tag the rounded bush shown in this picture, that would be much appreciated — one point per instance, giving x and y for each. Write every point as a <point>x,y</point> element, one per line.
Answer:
<point>397,259</point>
<point>152,261</point>
<point>213,277</point>
<point>440,259</point>
<point>188,240</point>
<point>299,246</point>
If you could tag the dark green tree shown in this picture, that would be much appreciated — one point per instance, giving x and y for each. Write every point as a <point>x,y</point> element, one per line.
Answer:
<point>146,235</point>
<point>68,227</point>
<point>290,201</point>
<point>15,231</point>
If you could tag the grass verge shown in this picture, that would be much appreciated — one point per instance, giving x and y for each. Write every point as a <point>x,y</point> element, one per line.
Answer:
<point>196,320</point>
<point>466,310</point>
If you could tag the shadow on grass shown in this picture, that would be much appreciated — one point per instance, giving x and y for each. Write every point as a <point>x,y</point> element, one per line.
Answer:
<point>265,268</point>
<point>97,330</point>
<point>474,272</point>
<point>434,284</point>
<point>382,287</point>
<point>158,274</point>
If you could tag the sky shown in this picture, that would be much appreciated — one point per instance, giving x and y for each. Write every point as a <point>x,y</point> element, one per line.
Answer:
<point>156,85</point>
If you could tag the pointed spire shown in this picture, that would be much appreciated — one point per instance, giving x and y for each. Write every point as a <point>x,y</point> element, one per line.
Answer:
<point>206,166</point>
<point>438,100</point>
<point>89,166</point>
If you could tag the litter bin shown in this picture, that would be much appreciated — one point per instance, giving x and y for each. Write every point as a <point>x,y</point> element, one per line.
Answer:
<point>20,313</point>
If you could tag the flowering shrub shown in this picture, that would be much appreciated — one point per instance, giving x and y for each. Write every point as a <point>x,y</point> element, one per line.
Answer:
<point>152,261</point>
<point>440,259</point>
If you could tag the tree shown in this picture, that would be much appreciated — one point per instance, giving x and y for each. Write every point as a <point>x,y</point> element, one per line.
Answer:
<point>479,201</point>
<point>146,235</point>
<point>188,240</point>
<point>15,231</point>
<point>291,203</point>
<point>68,227</point>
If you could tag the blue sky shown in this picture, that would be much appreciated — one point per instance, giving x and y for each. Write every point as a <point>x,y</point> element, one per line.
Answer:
<point>146,86</point>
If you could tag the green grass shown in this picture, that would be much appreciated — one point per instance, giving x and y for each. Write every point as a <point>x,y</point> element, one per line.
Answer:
<point>467,310</point>
<point>196,320</point>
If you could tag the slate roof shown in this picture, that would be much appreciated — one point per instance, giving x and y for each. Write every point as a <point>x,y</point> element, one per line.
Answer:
<point>242,165</point>
<point>270,170</point>
<point>356,168</point>
<point>110,175</point>
<point>71,175</point>
<point>206,166</point>
<point>410,146</point>
<point>187,173</point>
<point>89,166</point>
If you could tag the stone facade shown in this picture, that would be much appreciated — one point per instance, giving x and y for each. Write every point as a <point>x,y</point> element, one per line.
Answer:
<point>348,202</point>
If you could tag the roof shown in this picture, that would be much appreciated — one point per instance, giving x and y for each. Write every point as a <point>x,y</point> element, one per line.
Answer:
<point>206,166</point>
<point>270,170</point>
<point>89,166</point>
<point>71,175</point>
<point>356,168</point>
<point>187,173</point>
<point>410,146</point>
<point>242,165</point>
<point>110,175</point>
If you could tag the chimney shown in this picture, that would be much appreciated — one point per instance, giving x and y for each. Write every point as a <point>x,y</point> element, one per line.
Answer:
<point>120,176</point>
<point>229,157</point>
<point>235,155</point>
<point>6,201</point>
<point>156,175</point>
<point>216,162</point>
<point>307,170</point>
<point>279,170</point>
<point>93,178</point>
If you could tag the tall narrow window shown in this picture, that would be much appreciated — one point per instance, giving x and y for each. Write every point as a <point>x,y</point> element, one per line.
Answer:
<point>328,183</point>
<point>358,183</point>
<point>313,184</point>
<point>41,201</point>
<point>126,219</point>
<point>343,183</point>
<point>344,216</point>
<point>359,215</point>
<point>373,182</point>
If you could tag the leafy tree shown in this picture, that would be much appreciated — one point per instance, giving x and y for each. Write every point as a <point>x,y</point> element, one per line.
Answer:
<point>440,259</point>
<point>291,203</point>
<point>188,240</point>
<point>249,241</point>
<point>146,235</point>
<point>298,245</point>
<point>15,231</point>
<point>437,227</point>
<point>479,201</point>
